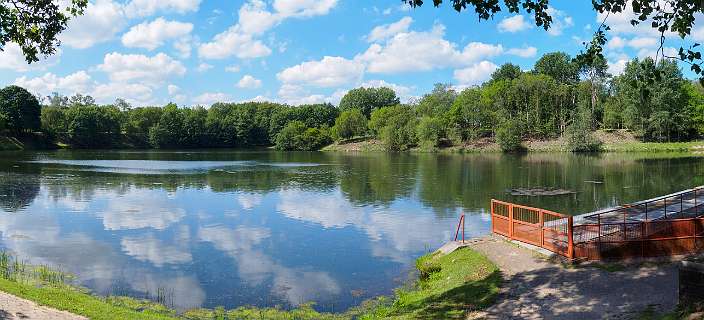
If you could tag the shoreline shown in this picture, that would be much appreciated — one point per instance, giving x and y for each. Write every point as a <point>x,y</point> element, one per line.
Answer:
<point>439,274</point>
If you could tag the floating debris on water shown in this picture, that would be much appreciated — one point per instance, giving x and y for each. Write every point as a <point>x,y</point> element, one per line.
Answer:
<point>594,182</point>
<point>536,192</point>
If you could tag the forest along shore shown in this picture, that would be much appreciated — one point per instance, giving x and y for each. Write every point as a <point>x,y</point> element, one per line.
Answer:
<point>514,110</point>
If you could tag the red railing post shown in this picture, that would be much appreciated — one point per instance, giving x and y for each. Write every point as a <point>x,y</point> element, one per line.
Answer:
<point>570,239</point>
<point>462,227</point>
<point>510,221</point>
<point>541,220</point>
<point>461,223</point>
<point>491,210</point>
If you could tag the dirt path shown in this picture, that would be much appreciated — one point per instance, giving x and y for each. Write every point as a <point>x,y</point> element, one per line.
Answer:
<point>12,307</point>
<point>538,289</point>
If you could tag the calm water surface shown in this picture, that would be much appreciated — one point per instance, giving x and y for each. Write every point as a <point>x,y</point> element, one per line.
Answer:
<point>223,228</point>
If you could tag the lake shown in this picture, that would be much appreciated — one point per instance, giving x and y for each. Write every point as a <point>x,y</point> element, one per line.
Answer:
<point>231,228</point>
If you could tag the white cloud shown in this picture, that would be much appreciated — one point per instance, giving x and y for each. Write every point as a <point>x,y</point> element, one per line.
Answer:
<point>616,43</point>
<point>423,51</point>
<point>403,92</point>
<point>620,22</point>
<point>653,52</point>
<point>143,8</point>
<point>328,72</point>
<point>12,58</point>
<point>241,40</point>
<point>388,30</point>
<point>208,98</point>
<point>303,8</point>
<point>173,89</point>
<point>233,68</point>
<point>513,24</point>
<point>254,18</point>
<point>560,21</point>
<point>102,20</point>
<point>203,67</point>
<point>616,68</point>
<point>643,42</point>
<point>128,67</point>
<point>527,52</point>
<point>77,82</point>
<point>233,42</point>
<point>249,82</point>
<point>150,249</point>
<point>475,74</point>
<point>151,35</point>
<point>183,46</point>
<point>135,93</point>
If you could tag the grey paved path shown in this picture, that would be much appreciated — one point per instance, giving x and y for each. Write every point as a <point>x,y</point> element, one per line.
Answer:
<point>536,288</point>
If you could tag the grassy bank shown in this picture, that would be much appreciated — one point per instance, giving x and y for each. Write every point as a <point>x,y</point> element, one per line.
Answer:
<point>448,287</point>
<point>611,142</point>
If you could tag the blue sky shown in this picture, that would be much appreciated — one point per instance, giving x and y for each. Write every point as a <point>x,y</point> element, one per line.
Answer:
<point>191,52</point>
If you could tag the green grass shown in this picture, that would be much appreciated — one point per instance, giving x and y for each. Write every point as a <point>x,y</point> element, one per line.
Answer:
<point>449,287</point>
<point>654,146</point>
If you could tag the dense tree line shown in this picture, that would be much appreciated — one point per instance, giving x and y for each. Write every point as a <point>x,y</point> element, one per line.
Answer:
<point>560,97</point>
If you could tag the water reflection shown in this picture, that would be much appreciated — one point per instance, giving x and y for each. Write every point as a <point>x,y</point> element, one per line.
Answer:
<point>271,228</point>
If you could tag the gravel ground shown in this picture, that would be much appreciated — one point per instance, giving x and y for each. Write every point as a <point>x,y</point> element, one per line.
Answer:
<point>12,307</point>
<point>536,288</point>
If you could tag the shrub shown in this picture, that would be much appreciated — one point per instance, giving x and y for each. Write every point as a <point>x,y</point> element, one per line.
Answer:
<point>296,136</point>
<point>509,136</point>
<point>400,132</point>
<point>380,117</point>
<point>431,130</point>
<point>349,124</point>
<point>580,137</point>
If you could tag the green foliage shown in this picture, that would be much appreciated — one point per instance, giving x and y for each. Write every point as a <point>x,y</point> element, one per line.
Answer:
<point>399,132</point>
<point>137,123</point>
<point>507,71</point>
<point>579,135</point>
<point>350,123</point>
<point>431,131</point>
<point>380,117</point>
<point>34,25</point>
<point>509,136</point>
<point>19,108</point>
<point>437,101</point>
<point>297,136</point>
<point>449,287</point>
<point>368,99</point>
<point>3,122</point>
<point>659,110</point>
<point>93,126</point>
<point>472,114</point>
<point>559,66</point>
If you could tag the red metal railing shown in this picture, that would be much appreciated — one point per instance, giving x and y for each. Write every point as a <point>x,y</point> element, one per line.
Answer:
<point>542,228</point>
<point>667,225</point>
<point>460,223</point>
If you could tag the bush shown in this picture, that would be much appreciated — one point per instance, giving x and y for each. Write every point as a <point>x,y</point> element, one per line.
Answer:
<point>509,136</point>
<point>580,137</point>
<point>431,131</point>
<point>399,134</point>
<point>349,124</point>
<point>296,136</point>
<point>380,117</point>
